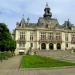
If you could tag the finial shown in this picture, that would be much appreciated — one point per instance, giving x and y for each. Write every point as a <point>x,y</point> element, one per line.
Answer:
<point>23,15</point>
<point>47,5</point>
<point>68,20</point>
<point>28,20</point>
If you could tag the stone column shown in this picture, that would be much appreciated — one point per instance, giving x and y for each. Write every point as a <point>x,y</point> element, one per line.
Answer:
<point>47,46</point>
<point>37,39</point>
<point>27,40</point>
<point>69,39</point>
<point>40,46</point>
<point>17,49</point>
<point>63,41</point>
<point>55,48</point>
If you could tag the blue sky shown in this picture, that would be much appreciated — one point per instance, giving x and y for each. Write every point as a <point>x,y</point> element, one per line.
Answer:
<point>11,11</point>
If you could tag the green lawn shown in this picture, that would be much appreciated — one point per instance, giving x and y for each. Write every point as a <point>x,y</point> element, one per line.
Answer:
<point>42,62</point>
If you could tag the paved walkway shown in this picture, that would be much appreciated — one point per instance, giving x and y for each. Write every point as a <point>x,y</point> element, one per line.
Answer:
<point>11,63</point>
<point>11,67</point>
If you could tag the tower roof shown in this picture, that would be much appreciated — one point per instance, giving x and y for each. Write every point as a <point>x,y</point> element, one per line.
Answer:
<point>47,13</point>
<point>23,20</point>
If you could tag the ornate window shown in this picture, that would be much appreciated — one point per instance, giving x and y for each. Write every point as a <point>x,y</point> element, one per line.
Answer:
<point>43,36</point>
<point>31,36</point>
<point>58,36</point>
<point>50,36</point>
<point>22,35</point>
<point>66,37</point>
<point>22,39</point>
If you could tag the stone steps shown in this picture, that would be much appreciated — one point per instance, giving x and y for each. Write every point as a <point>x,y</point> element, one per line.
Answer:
<point>59,54</point>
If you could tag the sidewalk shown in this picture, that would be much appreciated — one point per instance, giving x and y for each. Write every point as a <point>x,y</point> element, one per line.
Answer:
<point>11,67</point>
<point>11,63</point>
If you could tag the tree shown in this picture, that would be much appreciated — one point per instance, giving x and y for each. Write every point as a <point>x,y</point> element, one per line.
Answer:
<point>12,45</point>
<point>6,41</point>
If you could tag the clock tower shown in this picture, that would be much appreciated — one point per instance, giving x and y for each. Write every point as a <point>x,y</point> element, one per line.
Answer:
<point>47,13</point>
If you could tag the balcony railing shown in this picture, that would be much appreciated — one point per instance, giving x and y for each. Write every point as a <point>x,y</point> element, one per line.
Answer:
<point>43,40</point>
<point>60,40</point>
<point>51,40</point>
<point>21,40</point>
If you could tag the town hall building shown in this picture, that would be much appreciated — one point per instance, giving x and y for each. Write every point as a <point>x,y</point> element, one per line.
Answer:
<point>46,34</point>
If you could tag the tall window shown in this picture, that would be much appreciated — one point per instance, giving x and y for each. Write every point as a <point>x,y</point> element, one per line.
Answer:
<point>22,35</point>
<point>31,44</point>
<point>43,36</point>
<point>31,36</point>
<point>66,37</point>
<point>66,44</point>
<point>58,36</point>
<point>50,36</point>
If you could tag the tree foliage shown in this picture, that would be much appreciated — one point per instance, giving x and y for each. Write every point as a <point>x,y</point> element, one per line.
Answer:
<point>6,41</point>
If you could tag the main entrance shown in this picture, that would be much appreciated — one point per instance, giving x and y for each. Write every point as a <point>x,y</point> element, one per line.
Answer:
<point>43,46</point>
<point>58,46</point>
<point>51,46</point>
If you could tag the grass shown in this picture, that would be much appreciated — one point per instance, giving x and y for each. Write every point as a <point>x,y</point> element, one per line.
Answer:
<point>42,62</point>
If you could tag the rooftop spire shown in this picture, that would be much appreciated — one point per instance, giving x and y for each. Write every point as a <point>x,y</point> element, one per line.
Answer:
<point>22,21</point>
<point>68,20</point>
<point>28,20</point>
<point>47,13</point>
<point>23,15</point>
<point>47,5</point>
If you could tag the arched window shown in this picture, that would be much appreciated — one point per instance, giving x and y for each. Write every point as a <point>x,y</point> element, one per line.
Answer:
<point>43,46</point>
<point>51,46</point>
<point>58,46</point>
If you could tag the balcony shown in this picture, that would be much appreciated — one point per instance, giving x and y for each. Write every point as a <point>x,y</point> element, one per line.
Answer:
<point>50,40</point>
<point>21,40</point>
<point>54,40</point>
<point>43,40</point>
<point>59,40</point>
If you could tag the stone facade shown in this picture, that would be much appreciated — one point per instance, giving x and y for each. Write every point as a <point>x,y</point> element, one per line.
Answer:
<point>47,34</point>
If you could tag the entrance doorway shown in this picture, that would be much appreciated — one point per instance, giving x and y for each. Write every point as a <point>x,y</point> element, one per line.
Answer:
<point>43,46</point>
<point>51,46</point>
<point>58,46</point>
